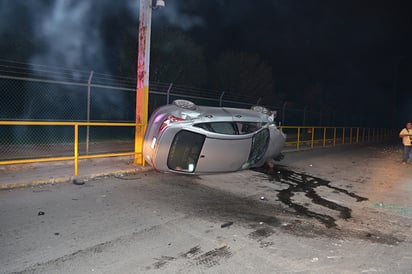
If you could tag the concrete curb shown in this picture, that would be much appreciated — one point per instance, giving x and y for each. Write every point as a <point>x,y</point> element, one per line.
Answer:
<point>66,179</point>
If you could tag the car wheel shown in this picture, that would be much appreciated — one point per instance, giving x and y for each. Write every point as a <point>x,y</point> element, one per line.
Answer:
<point>184,104</point>
<point>261,110</point>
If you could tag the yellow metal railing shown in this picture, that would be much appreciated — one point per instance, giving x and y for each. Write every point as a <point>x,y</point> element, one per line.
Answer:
<point>307,137</point>
<point>137,153</point>
<point>311,136</point>
<point>298,138</point>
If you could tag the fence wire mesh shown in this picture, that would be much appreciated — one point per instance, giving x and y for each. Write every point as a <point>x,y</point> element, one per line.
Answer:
<point>39,93</point>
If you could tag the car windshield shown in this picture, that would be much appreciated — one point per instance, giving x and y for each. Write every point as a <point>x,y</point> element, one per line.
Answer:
<point>259,145</point>
<point>185,150</point>
<point>230,128</point>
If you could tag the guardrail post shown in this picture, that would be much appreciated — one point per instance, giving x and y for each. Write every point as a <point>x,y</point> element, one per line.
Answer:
<point>76,149</point>
<point>324,137</point>
<point>334,136</point>
<point>298,141</point>
<point>369,135</point>
<point>357,135</point>
<point>363,134</point>
<point>351,135</point>
<point>343,135</point>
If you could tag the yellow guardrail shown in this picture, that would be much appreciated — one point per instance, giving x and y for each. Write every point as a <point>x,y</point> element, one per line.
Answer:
<point>299,137</point>
<point>137,153</point>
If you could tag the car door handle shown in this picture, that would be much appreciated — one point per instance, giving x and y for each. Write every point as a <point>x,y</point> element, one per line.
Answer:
<point>202,156</point>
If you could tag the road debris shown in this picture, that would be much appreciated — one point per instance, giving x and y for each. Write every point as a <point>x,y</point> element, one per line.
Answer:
<point>78,183</point>
<point>226,224</point>
<point>41,213</point>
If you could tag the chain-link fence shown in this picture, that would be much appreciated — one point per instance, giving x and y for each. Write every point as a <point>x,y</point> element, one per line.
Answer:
<point>39,93</point>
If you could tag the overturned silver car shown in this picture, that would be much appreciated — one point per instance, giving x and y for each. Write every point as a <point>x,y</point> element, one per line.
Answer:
<point>186,138</point>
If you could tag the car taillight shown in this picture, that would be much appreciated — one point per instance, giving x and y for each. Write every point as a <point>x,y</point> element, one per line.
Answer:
<point>169,120</point>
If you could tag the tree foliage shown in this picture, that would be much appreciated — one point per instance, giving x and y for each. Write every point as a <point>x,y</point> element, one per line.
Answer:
<point>176,58</point>
<point>244,74</point>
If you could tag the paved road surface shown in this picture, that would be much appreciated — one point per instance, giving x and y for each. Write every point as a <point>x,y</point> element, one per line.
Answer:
<point>326,211</point>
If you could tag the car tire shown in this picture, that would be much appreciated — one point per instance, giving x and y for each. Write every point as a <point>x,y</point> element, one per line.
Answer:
<point>261,109</point>
<point>186,104</point>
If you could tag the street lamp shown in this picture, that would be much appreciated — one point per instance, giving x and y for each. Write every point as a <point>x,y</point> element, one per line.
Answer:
<point>143,62</point>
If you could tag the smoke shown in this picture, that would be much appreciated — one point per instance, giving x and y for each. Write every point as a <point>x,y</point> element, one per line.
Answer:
<point>71,35</point>
<point>72,30</point>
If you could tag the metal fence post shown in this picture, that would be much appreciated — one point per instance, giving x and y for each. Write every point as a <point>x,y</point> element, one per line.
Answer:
<point>168,93</point>
<point>304,115</point>
<point>283,112</point>
<point>221,98</point>
<point>313,137</point>
<point>89,82</point>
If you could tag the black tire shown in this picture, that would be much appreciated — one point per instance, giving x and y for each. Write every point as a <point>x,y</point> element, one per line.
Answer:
<point>186,104</point>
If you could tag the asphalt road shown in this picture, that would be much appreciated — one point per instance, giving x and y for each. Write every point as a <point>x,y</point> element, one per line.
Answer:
<point>343,210</point>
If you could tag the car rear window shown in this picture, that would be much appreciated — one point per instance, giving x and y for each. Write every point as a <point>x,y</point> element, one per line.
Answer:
<point>259,146</point>
<point>185,150</point>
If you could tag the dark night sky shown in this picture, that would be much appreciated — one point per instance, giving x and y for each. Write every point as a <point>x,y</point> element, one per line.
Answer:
<point>353,49</point>
<point>357,53</point>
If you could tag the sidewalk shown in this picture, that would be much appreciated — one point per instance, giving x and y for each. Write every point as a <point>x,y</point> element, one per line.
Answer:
<point>24,175</point>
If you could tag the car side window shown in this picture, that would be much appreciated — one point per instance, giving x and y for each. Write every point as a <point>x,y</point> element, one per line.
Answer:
<point>248,127</point>
<point>219,127</point>
<point>230,128</point>
<point>185,150</point>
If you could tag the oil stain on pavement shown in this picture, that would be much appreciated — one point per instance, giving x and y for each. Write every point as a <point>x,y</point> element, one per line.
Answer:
<point>300,182</point>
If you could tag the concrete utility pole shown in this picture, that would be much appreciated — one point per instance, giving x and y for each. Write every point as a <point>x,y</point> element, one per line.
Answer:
<point>142,90</point>
<point>143,63</point>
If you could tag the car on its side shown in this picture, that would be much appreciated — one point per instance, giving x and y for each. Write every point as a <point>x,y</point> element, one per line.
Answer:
<point>186,138</point>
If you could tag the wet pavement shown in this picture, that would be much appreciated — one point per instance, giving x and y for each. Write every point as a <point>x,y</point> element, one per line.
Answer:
<point>301,182</point>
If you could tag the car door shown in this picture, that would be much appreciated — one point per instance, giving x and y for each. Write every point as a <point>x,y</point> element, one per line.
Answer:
<point>224,150</point>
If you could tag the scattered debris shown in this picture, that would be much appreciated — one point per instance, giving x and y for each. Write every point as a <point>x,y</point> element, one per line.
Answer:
<point>314,259</point>
<point>79,183</point>
<point>333,257</point>
<point>263,198</point>
<point>226,224</point>
<point>41,213</point>
<point>57,233</point>
<point>261,223</point>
